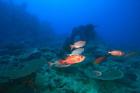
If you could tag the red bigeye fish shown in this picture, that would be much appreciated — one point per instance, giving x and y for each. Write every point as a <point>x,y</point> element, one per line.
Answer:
<point>100,59</point>
<point>70,60</point>
<point>112,53</point>
<point>78,44</point>
<point>116,53</point>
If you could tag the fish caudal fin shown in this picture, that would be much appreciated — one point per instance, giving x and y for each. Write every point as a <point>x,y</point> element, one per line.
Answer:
<point>109,52</point>
<point>71,47</point>
<point>50,64</point>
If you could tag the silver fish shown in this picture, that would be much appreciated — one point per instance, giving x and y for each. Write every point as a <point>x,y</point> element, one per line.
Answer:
<point>78,44</point>
<point>77,51</point>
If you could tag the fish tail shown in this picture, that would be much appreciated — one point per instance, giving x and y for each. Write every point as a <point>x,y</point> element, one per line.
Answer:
<point>109,52</point>
<point>71,47</point>
<point>50,64</point>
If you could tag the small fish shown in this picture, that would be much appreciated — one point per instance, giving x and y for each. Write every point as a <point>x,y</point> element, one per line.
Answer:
<point>70,60</point>
<point>77,51</point>
<point>78,44</point>
<point>100,59</point>
<point>116,53</point>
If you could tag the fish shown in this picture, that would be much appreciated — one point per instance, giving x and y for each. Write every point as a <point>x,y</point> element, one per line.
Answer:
<point>116,53</point>
<point>70,60</point>
<point>100,59</point>
<point>77,51</point>
<point>112,53</point>
<point>78,44</point>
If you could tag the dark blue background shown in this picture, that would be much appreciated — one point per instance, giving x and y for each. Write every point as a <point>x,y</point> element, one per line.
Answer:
<point>117,21</point>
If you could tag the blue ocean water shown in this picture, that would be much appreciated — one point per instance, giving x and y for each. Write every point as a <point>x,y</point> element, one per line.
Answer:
<point>34,33</point>
<point>117,21</point>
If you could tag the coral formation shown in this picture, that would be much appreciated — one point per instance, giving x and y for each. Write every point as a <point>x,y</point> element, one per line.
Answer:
<point>24,58</point>
<point>52,82</point>
<point>107,73</point>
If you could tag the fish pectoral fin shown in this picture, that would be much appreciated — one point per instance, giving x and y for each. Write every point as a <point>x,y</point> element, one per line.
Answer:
<point>50,64</point>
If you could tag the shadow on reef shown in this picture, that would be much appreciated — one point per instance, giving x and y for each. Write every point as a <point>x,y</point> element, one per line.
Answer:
<point>19,85</point>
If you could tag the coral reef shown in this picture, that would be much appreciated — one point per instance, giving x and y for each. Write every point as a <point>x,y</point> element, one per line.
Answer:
<point>52,81</point>
<point>24,59</point>
<point>78,78</point>
<point>15,69</point>
<point>107,73</point>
